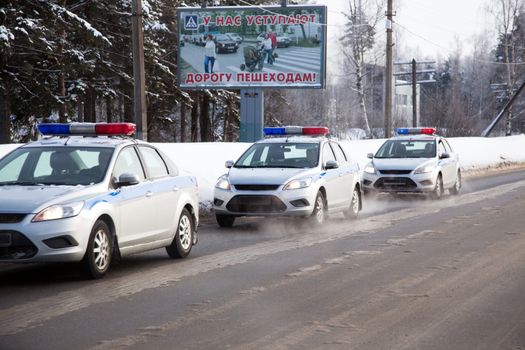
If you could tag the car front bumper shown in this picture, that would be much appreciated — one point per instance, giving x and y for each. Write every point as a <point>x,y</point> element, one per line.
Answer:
<point>399,183</point>
<point>299,202</point>
<point>28,241</point>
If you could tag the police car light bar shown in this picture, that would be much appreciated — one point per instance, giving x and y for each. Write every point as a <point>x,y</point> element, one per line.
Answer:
<point>416,131</point>
<point>296,130</point>
<point>87,129</point>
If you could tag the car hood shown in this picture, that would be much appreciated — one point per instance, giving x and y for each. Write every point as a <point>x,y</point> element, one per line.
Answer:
<point>264,176</point>
<point>400,163</point>
<point>30,199</point>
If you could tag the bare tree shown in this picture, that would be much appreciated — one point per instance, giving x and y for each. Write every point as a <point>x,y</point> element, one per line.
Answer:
<point>358,40</point>
<point>506,13</point>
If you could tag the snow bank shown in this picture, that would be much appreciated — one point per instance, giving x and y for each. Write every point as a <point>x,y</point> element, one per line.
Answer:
<point>206,160</point>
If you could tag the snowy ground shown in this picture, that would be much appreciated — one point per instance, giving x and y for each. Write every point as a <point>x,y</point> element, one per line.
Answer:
<point>206,160</point>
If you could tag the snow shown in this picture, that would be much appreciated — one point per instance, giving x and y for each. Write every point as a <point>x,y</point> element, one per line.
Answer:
<point>206,160</point>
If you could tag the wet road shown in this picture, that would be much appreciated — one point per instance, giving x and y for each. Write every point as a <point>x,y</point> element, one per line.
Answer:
<point>408,274</point>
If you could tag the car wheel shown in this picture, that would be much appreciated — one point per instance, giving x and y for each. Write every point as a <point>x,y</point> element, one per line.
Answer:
<point>243,67</point>
<point>181,245</point>
<point>355,205</point>
<point>225,220</point>
<point>97,258</point>
<point>438,190</point>
<point>319,212</point>
<point>457,186</point>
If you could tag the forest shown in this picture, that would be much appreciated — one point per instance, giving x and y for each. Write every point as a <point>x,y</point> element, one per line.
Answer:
<point>71,61</point>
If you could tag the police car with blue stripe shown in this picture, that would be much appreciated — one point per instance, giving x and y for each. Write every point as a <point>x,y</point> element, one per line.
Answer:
<point>416,160</point>
<point>89,193</point>
<point>294,171</point>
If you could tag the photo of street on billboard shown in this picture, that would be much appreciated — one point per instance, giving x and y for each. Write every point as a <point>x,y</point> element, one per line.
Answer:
<point>252,47</point>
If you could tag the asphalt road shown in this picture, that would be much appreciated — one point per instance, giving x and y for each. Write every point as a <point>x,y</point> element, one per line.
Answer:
<point>410,273</point>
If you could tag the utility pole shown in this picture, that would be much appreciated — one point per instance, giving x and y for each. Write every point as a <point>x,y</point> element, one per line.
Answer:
<point>139,93</point>
<point>414,72</point>
<point>389,69</point>
<point>414,94</point>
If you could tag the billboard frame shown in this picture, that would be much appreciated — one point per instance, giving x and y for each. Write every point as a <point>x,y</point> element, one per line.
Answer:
<point>322,9</point>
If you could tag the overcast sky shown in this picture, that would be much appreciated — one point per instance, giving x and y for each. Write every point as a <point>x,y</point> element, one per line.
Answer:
<point>427,26</point>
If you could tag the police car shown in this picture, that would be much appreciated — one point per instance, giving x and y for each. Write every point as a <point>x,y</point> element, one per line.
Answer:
<point>89,193</point>
<point>416,160</point>
<point>294,171</point>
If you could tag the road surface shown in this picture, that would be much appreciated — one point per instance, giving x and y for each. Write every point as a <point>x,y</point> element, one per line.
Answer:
<point>408,274</point>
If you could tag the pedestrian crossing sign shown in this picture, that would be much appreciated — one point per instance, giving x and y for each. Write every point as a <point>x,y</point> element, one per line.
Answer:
<point>191,22</point>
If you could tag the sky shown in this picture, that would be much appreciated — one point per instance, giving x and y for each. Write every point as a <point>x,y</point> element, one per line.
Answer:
<point>427,27</point>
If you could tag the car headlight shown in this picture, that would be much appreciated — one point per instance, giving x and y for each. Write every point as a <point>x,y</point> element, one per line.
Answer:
<point>223,183</point>
<point>369,168</point>
<point>424,169</point>
<point>297,184</point>
<point>59,211</point>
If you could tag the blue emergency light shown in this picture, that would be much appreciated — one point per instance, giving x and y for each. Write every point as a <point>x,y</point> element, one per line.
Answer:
<point>296,130</point>
<point>416,131</point>
<point>62,129</point>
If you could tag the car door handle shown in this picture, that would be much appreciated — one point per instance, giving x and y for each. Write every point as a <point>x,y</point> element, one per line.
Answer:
<point>176,188</point>
<point>149,194</point>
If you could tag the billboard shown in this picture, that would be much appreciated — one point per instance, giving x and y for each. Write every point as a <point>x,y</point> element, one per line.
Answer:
<point>252,47</point>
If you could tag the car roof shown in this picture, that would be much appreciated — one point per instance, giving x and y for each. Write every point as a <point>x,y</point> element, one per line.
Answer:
<point>416,137</point>
<point>293,139</point>
<point>84,141</point>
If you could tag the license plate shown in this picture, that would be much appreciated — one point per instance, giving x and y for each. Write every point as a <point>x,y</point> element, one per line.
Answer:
<point>5,239</point>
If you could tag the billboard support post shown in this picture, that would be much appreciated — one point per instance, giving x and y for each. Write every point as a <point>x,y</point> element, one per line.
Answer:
<point>252,115</point>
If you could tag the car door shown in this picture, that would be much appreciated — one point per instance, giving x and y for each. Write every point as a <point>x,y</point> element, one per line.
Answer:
<point>165,191</point>
<point>346,173</point>
<point>134,203</point>
<point>333,182</point>
<point>447,165</point>
<point>454,160</point>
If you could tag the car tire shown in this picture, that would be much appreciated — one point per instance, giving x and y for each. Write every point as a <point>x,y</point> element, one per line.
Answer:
<point>457,185</point>
<point>181,245</point>
<point>243,67</point>
<point>438,190</point>
<point>225,220</point>
<point>355,205</point>
<point>99,252</point>
<point>318,215</point>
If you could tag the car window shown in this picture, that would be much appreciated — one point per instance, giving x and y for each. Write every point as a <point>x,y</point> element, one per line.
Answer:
<point>10,169</point>
<point>280,155</point>
<point>407,149</point>
<point>328,154</point>
<point>128,162</point>
<point>441,148</point>
<point>154,163</point>
<point>447,146</point>
<point>56,165</point>
<point>339,153</point>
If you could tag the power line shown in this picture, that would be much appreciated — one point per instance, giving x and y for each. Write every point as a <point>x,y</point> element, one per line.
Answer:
<point>450,51</point>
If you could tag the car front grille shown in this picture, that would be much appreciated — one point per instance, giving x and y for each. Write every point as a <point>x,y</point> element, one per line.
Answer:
<point>395,183</point>
<point>256,204</point>
<point>15,246</point>
<point>395,172</point>
<point>256,187</point>
<point>11,218</point>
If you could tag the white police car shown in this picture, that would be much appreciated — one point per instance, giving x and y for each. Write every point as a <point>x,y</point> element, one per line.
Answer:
<point>416,160</point>
<point>89,198</point>
<point>296,171</point>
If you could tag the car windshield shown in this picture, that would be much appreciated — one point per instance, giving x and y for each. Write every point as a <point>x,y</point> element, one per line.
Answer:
<point>55,166</point>
<point>222,37</point>
<point>280,155</point>
<point>407,149</point>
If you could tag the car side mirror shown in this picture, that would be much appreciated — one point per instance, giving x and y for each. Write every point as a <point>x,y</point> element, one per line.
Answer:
<point>331,164</point>
<point>370,155</point>
<point>127,179</point>
<point>228,164</point>
<point>444,155</point>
